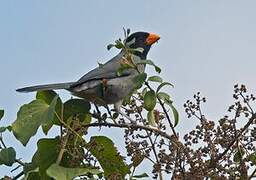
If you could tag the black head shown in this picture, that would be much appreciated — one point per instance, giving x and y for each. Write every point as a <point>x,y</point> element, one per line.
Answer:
<point>141,40</point>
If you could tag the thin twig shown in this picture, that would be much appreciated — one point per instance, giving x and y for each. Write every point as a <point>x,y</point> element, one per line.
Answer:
<point>63,148</point>
<point>168,118</point>
<point>253,174</point>
<point>16,160</point>
<point>153,147</point>
<point>68,127</point>
<point>235,138</point>
<point>18,175</point>
<point>132,126</point>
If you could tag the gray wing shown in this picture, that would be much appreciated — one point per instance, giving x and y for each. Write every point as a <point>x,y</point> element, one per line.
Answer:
<point>106,71</point>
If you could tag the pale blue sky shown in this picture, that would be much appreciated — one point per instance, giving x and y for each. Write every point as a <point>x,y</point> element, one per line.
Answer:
<point>205,46</point>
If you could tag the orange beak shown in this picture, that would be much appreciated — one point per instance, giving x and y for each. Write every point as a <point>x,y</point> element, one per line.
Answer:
<point>152,38</point>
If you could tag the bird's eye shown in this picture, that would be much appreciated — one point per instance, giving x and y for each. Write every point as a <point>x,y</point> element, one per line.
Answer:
<point>129,43</point>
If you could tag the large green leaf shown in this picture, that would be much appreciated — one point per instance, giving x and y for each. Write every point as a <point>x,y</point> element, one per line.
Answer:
<point>144,175</point>
<point>139,80</point>
<point>151,118</point>
<point>30,117</point>
<point>62,173</point>
<point>150,100</point>
<point>47,97</point>
<point>174,111</point>
<point>110,160</point>
<point>252,158</point>
<point>164,96</point>
<point>46,154</point>
<point>76,107</point>
<point>7,156</point>
<point>162,85</point>
<point>32,174</point>
<point>1,113</point>
<point>2,129</point>
<point>155,79</point>
<point>175,115</point>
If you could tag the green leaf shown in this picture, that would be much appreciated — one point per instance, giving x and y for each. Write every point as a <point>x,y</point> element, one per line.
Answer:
<point>164,96</point>
<point>109,158</point>
<point>139,50</point>
<point>28,167</point>
<point>31,172</point>
<point>62,173</point>
<point>7,156</point>
<point>128,31</point>
<point>32,175</point>
<point>47,97</point>
<point>175,114</point>
<point>123,68</point>
<point>150,100</point>
<point>132,50</point>
<point>127,44</point>
<point>137,159</point>
<point>2,129</point>
<point>167,100</point>
<point>151,118</point>
<point>77,108</point>
<point>144,91</point>
<point>30,117</point>
<point>252,158</point>
<point>119,44</point>
<point>110,46</point>
<point>46,154</point>
<point>115,115</point>
<point>155,79</point>
<point>238,155</point>
<point>149,62</point>
<point>141,175</point>
<point>140,79</point>
<point>9,128</point>
<point>162,85</point>
<point>1,113</point>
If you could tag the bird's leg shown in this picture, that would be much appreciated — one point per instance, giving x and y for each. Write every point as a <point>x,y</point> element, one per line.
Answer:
<point>97,108</point>
<point>117,107</point>
<point>98,113</point>
<point>109,112</point>
<point>127,117</point>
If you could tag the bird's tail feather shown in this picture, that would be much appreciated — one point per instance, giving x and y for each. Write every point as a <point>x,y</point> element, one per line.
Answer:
<point>46,87</point>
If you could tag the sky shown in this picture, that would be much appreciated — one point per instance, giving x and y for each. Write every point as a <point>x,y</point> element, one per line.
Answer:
<point>205,46</point>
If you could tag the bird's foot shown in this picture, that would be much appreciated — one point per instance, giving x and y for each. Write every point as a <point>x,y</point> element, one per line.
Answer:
<point>127,117</point>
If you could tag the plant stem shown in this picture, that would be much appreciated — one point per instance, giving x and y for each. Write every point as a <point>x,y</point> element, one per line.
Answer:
<point>63,147</point>
<point>132,126</point>
<point>235,138</point>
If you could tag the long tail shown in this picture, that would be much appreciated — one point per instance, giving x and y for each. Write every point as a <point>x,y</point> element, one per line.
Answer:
<point>46,87</point>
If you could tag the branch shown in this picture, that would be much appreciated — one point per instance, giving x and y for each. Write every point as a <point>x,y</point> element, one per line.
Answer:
<point>63,148</point>
<point>253,117</point>
<point>18,175</point>
<point>130,126</point>
<point>168,118</point>
<point>153,147</point>
<point>253,174</point>
<point>166,113</point>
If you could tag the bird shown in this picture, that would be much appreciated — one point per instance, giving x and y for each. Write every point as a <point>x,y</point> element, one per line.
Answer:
<point>102,85</point>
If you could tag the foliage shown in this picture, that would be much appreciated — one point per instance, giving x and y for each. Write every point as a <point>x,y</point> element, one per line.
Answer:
<point>213,149</point>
